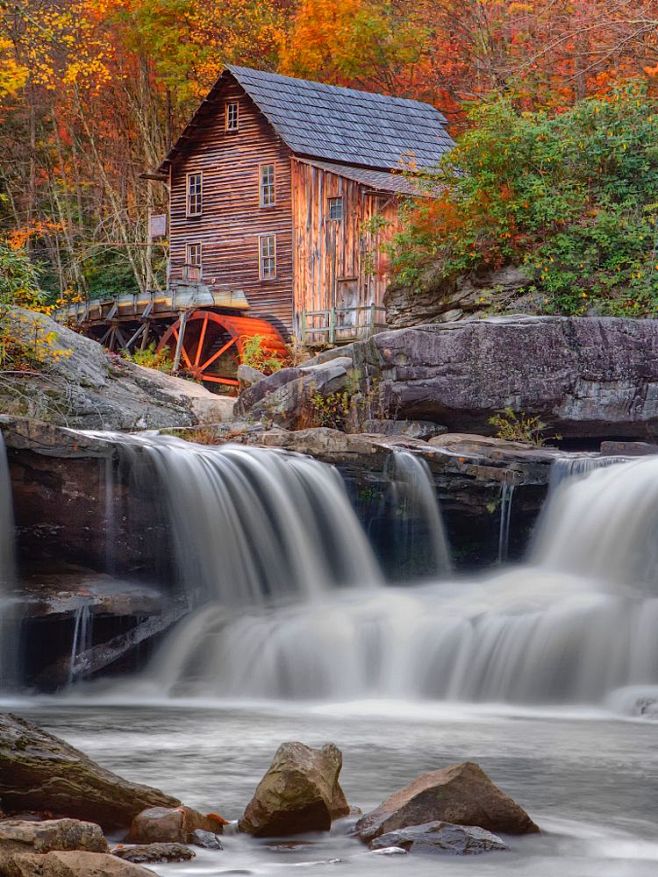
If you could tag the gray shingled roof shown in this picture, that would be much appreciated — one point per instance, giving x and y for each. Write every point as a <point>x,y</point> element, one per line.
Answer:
<point>342,124</point>
<point>378,181</point>
<point>336,124</point>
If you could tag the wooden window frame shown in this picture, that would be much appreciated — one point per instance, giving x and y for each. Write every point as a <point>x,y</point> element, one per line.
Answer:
<point>230,105</point>
<point>335,202</point>
<point>189,263</point>
<point>264,186</point>
<point>261,257</point>
<point>188,201</point>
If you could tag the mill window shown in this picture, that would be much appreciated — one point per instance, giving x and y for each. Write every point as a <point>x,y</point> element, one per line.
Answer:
<point>193,259</point>
<point>267,197</point>
<point>232,116</point>
<point>336,209</point>
<point>194,204</point>
<point>267,256</point>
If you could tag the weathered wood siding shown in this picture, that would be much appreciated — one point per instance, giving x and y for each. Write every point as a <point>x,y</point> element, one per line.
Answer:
<point>338,264</point>
<point>232,217</point>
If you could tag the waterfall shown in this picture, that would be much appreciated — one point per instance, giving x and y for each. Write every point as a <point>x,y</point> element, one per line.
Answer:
<point>9,609</point>
<point>577,622</point>
<point>604,526</point>
<point>577,466</point>
<point>418,532</point>
<point>82,640</point>
<point>506,497</point>
<point>251,526</point>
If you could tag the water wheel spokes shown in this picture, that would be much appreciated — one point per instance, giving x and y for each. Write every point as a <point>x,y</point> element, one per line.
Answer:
<point>212,344</point>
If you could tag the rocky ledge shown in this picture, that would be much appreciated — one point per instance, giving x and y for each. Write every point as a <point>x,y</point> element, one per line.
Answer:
<point>585,378</point>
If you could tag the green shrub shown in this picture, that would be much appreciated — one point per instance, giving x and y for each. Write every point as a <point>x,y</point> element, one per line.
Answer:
<point>518,427</point>
<point>574,197</point>
<point>150,357</point>
<point>255,354</point>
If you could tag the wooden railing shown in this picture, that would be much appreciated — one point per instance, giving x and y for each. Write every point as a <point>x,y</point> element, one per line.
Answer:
<point>340,325</point>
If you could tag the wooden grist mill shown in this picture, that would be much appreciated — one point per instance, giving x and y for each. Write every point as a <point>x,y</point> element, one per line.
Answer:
<point>205,331</point>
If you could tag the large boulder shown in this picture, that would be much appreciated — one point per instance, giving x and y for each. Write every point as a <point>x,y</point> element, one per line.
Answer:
<point>40,772</point>
<point>70,864</point>
<point>172,825</point>
<point>462,794</point>
<point>442,838</point>
<point>300,792</point>
<point>79,384</point>
<point>584,377</point>
<point>22,835</point>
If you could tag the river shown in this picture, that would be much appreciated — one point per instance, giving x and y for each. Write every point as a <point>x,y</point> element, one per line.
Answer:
<point>589,780</point>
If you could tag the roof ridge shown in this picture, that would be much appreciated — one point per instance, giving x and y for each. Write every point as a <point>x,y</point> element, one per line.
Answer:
<point>404,101</point>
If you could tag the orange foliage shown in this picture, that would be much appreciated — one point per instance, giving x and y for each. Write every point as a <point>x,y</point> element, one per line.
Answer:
<point>107,84</point>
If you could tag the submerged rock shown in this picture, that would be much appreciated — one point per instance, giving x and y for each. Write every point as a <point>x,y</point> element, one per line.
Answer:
<point>441,838</point>
<point>208,840</point>
<point>22,835</point>
<point>40,772</point>
<point>70,864</point>
<point>462,794</point>
<point>150,853</point>
<point>300,792</point>
<point>172,825</point>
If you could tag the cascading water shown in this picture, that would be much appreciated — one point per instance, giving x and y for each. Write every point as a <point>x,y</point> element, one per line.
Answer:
<point>578,466</point>
<point>418,533</point>
<point>573,625</point>
<point>82,641</point>
<point>506,499</point>
<point>252,525</point>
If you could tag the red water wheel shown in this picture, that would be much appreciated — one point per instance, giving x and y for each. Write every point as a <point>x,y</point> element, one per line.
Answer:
<point>212,344</point>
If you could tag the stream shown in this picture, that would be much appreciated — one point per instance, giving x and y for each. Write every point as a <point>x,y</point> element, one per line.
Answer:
<point>589,780</point>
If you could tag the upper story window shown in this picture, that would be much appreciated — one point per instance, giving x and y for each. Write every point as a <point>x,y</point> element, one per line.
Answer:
<point>194,200</point>
<point>267,255</point>
<point>336,209</point>
<point>232,116</point>
<point>267,195</point>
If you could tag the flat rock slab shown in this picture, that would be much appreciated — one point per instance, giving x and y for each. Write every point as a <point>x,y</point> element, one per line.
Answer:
<point>51,834</point>
<point>462,794</point>
<point>144,854</point>
<point>39,772</point>
<point>70,864</point>
<point>300,792</point>
<point>441,838</point>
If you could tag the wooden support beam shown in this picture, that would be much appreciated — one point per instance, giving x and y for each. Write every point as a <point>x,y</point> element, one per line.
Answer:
<point>180,336</point>
<point>145,336</point>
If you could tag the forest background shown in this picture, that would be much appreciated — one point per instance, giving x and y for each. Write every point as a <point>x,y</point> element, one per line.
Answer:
<point>93,92</point>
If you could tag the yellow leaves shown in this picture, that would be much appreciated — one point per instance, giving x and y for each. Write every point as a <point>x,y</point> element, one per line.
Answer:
<point>13,75</point>
<point>54,44</point>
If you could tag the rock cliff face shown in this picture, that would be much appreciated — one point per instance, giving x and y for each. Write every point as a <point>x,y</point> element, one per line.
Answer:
<point>441,301</point>
<point>586,378</point>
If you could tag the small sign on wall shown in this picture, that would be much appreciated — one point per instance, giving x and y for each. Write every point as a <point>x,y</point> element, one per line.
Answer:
<point>157,226</point>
